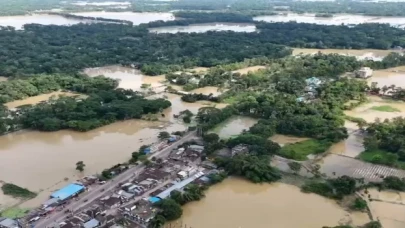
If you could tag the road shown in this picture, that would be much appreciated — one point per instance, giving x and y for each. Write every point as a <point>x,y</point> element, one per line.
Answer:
<point>96,193</point>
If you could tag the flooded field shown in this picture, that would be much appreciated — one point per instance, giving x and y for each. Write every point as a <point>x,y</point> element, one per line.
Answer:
<point>136,18</point>
<point>370,54</point>
<point>249,69</point>
<point>43,19</point>
<point>50,157</point>
<point>201,28</point>
<point>368,113</point>
<point>129,78</point>
<point>391,76</point>
<point>258,205</point>
<point>285,139</point>
<point>390,215</point>
<point>234,126</point>
<point>338,19</point>
<point>37,99</point>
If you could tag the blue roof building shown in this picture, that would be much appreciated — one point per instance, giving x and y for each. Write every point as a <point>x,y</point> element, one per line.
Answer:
<point>154,199</point>
<point>68,191</point>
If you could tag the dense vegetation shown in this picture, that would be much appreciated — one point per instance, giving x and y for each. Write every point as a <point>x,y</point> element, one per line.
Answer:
<point>17,191</point>
<point>332,188</point>
<point>300,150</point>
<point>384,142</point>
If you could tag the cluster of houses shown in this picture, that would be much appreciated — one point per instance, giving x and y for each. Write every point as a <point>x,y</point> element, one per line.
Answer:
<point>134,201</point>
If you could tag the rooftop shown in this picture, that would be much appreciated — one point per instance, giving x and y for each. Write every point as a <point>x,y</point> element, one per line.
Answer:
<point>91,224</point>
<point>179,185</point>
<point>67,191</point>
<point>9,223</point>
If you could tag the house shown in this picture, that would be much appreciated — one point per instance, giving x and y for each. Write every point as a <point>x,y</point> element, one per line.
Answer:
<point>111,201</point>
<point>239,149</point>
<point>9,223</point>
<point>142,212</point>
<point>91,224</point>
<point>197,148</point>
<point>364,72</point>
<point>313,81</point>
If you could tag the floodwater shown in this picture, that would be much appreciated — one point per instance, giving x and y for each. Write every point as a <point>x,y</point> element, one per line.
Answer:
<point>338,19</point>
<point>37,99</point>
<point>136,18</point>
<point>234,126</point>
<point>43,19</point>
<point>201,28</point>
<point>6,201</point>
<point>353,145</point>
<point>249,69</point>
<point>129,78</point>
<point>50,157</point>
<point>390,215</point>
<point>263,206</point>
<point>286,139</point>
<point>84,3</point>
<point>366,112</point>
<point>364,54</point>
<point>391,76</point>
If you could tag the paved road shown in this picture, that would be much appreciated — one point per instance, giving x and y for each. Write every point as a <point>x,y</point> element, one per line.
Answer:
<point>96,193</point>
<point>342,165</point>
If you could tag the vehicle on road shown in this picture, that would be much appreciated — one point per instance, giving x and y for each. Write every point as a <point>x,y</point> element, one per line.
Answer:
<point>102,190</point>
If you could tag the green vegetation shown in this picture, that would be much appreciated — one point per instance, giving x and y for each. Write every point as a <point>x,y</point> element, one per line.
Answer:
<point>359,204</point>
<point>191,192</point>
<point>372,224</point>
<point>163,135</point>
<point>384,143</point>
<point>14,213</point>
<point>16,191</point>
<point>300,150</point>
<point>385,108</point>
<point>170,209</point>
<point>80,166</point>
<point>332,188</point>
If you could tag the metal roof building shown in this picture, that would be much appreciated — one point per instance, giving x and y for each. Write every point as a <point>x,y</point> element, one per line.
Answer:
<point>179,185</point>
<point>68,191</point>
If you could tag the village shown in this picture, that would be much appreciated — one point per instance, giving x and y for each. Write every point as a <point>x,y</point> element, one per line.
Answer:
<point>131,202</point>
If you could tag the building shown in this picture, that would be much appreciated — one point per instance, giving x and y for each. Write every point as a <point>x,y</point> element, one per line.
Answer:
<point>180,185</point>
<point>239,149</point>
<point>51,203</point>
<point>111,201</point>
<point>364,72</point>
<point>91,224</point>
<point>197,148</point>
<point>68,192</point>
<point>142,211</point>
<point>8,223</point>
<point>313,81</point>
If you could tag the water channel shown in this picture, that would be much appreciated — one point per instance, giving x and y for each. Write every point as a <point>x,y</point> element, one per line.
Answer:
<point>239,203</point>
<point>136,18</point>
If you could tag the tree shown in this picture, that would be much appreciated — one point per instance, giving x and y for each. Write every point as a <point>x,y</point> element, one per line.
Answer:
<point>164,135</point>
<point>359,204</point>
<point>157,222</point>
<point>80,166</point>
<point>211,138</point>
<point>171,210</point>
<point>295,166</point>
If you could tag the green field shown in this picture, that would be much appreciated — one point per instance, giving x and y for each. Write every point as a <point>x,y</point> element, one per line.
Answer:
<point>299,151</point>
<point>14,212</point>
<point>17,191</point>
<point>382,158</point>
<point>385,108</point>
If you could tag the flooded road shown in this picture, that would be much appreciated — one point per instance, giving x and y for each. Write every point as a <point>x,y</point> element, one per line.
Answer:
<point>337,19</point>
<point>259,205</point>
<point>136,18</point>
<point>201,28</point>
<point>234,126</point>
<point>353,145</point>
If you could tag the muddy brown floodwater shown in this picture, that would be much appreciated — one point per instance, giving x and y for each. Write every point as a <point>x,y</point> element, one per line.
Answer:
<point>236,203</point>
<point>42,160</point>
<point>36,99</point>
<point>387,77</point>
<point>234,126</point>
<point>286,139</point>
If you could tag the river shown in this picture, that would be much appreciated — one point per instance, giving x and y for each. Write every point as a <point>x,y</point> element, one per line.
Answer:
<point>338,19</point>
<point>201,28</point>
<point>237,203</point>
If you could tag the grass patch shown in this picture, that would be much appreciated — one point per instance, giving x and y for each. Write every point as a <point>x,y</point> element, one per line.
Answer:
<point>355,119</point>
<point>385,108</point>
<point>382,157</point>
<point>14,213</point>
<point>300,150</point>
<point>16,191</point>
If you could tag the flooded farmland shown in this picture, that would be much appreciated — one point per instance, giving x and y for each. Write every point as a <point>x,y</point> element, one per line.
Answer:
<point>337,19</point>
<point>37,99</point>
<point>234,126</point>
<point>259,205</point>
<point>387,77</point>
<point>285,139</point>
<point>201,28</point>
